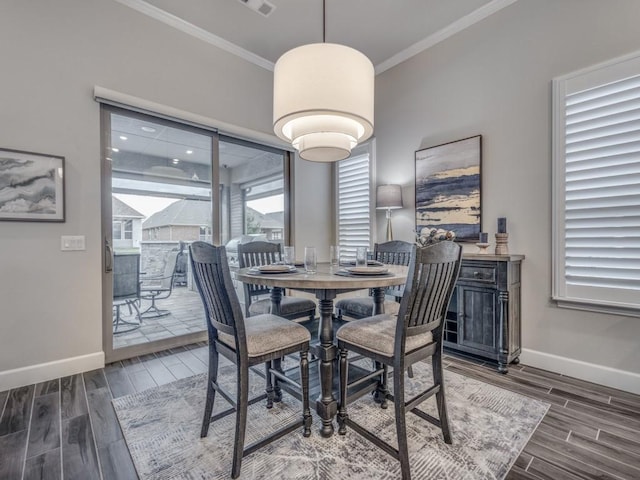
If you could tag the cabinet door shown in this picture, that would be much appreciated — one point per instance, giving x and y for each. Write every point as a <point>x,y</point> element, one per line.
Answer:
<point>477,318</point>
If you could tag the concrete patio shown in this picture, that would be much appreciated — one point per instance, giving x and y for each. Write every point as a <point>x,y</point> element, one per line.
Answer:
<point>187,316</point>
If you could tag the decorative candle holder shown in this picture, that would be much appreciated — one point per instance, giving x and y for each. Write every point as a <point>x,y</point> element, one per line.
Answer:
<point>483,248</point>
<point>502,244</point>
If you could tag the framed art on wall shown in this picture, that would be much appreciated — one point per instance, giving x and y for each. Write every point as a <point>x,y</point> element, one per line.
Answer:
<point>448,188</point>
<point>31,186</point>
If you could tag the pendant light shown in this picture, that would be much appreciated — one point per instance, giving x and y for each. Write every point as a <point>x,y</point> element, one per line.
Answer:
<point>323,96</point>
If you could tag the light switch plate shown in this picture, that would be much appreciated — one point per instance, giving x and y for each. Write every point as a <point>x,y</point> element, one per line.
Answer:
<point>72,242</point>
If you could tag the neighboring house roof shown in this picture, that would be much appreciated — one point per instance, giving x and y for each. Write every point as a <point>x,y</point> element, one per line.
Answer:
<point>197,213</point>
<point>271,220</point>
<point>119,209</point>
<point>182,212</point>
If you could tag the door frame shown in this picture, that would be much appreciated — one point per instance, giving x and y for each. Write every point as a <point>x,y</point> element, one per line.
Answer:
<point>106,109</point>
<point>112,355</point>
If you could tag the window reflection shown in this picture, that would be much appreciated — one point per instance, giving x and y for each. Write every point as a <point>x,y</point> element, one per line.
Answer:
<point>252,193</point>
<point>165,196</point>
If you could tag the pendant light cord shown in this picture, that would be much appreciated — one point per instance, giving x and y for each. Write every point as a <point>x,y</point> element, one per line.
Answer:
<point>324,22</point>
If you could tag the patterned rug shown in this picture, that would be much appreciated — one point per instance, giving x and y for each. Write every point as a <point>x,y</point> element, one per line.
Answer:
<point>490,427</point>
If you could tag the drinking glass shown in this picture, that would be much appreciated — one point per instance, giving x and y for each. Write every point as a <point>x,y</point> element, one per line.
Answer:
<point>334,255</point>
<point>310,260</point>
<point>289,255</point>
<point>361,257</point>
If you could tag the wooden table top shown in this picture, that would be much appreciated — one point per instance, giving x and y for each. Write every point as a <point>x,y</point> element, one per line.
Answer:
<point>325,279</point>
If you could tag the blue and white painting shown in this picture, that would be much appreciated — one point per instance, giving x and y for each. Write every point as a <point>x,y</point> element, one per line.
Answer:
<point>448,188</point>
<point>31,186</point>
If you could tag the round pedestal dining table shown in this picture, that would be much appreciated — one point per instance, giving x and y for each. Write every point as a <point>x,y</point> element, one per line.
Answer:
<point>325,284</point>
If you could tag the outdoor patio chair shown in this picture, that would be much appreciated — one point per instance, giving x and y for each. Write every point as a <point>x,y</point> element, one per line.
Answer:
<point>159,287</point>
<point>416,334</point>
<point>245,342</point>
<point>264,253</point>
<point>126,291</point>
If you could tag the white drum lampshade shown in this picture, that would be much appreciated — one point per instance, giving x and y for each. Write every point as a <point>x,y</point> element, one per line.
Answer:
<point>323,96</point>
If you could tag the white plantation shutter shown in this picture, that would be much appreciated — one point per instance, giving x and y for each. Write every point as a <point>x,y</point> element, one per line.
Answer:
<point>354,204</point>
<point>597,187</point>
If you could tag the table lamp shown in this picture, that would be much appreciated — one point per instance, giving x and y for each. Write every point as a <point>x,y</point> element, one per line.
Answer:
<point>389,197</point>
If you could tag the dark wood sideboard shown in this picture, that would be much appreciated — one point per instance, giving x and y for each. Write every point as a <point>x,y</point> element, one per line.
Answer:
<point>484,313</point>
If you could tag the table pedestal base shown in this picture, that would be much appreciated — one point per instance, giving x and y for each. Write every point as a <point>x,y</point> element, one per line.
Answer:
<point>326,405</point>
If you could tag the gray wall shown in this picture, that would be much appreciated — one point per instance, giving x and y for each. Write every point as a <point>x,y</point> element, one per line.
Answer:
<point>53,53</point>
<point>494,79</point>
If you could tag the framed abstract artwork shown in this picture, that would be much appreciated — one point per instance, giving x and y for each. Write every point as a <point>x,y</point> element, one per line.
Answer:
<point>448,188</point>
<point>31,186</point>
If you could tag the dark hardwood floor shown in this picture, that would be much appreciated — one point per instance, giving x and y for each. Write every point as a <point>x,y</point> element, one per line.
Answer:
<point>67,428</point>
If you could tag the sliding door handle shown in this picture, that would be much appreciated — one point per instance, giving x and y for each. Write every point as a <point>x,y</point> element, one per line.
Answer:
<point>108,256</point>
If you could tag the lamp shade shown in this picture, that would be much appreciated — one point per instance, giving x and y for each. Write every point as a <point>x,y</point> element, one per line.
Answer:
<point>389,196</point>
<point>323,96</point>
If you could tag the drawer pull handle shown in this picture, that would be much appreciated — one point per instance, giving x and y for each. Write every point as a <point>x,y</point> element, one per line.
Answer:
<point>476,274</point>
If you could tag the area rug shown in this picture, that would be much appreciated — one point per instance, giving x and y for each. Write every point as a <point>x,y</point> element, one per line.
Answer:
<point>490,427</point>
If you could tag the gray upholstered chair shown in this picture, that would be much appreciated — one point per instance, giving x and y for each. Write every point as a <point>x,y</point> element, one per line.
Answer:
<point>415,335</point>
<point>254,254</point>
<point>126,291</point>
<point>245,342</point>
<point>395,252</point>
<point>159,287</point>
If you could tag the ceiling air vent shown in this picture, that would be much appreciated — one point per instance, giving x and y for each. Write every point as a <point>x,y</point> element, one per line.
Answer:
<point>263,7</point>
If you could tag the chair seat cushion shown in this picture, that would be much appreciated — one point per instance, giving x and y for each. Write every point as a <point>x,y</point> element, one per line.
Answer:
<point>267,334</point>
<point>377,334</point>
<point>288,306</point>
<point>360,307</point>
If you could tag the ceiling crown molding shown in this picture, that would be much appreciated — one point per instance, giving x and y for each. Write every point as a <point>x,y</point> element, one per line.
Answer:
<point>197,32</point>
<point>418,47</point>
<point>450,30</point>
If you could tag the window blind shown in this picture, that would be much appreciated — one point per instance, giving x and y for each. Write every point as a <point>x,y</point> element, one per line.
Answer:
<point>598,210</point>
<point>354,204</point>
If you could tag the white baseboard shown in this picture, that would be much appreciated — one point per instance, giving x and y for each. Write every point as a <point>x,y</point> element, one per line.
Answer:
<point>591,372</point>
<point>43,372</point>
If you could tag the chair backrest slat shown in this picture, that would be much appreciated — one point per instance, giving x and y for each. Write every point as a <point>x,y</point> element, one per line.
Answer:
<point>394,252</point>
<point>430,283</point>
<point>213,279</point>
<point>255,254</point>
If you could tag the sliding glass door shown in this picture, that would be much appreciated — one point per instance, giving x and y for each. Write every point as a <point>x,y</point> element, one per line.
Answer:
<point>165,185</point>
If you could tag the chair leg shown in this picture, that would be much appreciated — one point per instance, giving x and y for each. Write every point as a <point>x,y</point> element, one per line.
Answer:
<point>410,371</point>
<point>241,418</point>
<point>269,387</point>
<point>401,426</point>
<point>153,311</point>
<point>385,386</point>
<point>211,393</point>
<point>134,303</point>
<point>304,376</point>
<point>381,391</point>
<point>115,328</point>
<point>277,390</point>
<point>342,409</point>
<point>438,378</point>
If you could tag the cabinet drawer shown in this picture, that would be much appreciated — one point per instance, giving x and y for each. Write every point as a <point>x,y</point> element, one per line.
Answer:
<point>478,273</point>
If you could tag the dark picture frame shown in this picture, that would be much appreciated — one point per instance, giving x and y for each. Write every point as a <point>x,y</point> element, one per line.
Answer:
<point>448,188</point>
<point>31,187</point>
